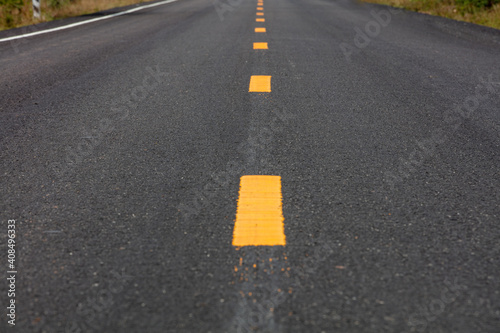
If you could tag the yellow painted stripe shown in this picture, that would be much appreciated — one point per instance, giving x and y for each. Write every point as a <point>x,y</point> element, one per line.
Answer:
<point>259,216</point>
<point>260,8</point>
<point>260,83</point>
<point>260,46</point>
<point>260,29</point>
<point>260,20</point>
<point>260,14</point>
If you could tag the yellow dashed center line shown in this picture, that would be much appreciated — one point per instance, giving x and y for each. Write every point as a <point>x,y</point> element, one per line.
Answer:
<point>260,8</point>
<point>259,216</point>
<point>260,83</point>
<point>260,46</point>
<point>260,29</point>
<point>260,14</point>
<point>260,20</point>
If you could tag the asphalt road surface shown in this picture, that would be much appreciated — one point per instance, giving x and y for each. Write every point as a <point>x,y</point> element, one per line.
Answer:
<point>124,142</point>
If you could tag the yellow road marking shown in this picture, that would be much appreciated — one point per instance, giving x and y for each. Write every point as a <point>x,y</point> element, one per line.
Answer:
<point>260,46</point>
<point>260,29</point>
<point>260,83</point>
<point>260,8</point>
<point>259,216</point>
<point>260,20</point>
<point>260,14</point>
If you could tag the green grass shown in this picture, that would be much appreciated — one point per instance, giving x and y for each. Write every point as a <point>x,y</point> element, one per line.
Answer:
<point>17,13</point>
<point>484,12</point>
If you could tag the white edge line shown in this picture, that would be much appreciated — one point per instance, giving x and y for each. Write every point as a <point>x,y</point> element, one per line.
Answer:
<point>85,22</point>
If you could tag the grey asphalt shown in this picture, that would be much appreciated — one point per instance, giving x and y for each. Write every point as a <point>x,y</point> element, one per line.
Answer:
<point>123,142</point>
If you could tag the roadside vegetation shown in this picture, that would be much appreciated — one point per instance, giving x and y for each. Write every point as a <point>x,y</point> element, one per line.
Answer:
<point>484,12</point>
<point>17,13</point>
